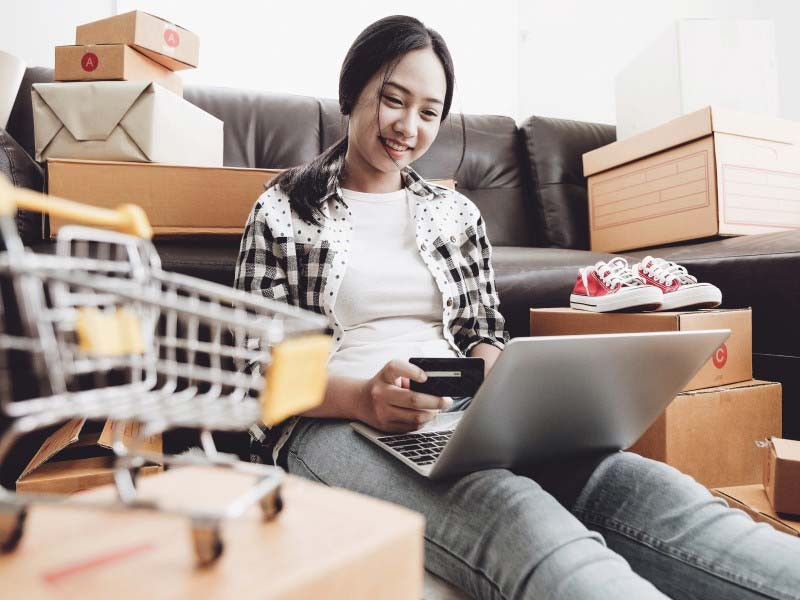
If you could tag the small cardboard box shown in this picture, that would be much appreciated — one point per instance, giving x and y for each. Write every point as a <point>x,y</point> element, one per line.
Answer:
<point>711,172</point>
<point>326,543</point>
<point>781,475</point>
<point>112,62</point>
<point>123,120</point>
<point>174,47</point>
<point>731,363</point>
<point>740,53</point>
<point>710,434</point>
<point>78,457</point>
<point>178,200</point>
<point>753,500</point>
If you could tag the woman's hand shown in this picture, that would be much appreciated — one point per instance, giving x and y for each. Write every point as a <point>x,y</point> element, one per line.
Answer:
<point>388,404</point>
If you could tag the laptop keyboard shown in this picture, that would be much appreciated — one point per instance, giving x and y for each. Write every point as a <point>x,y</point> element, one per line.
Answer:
<point>422,448</point>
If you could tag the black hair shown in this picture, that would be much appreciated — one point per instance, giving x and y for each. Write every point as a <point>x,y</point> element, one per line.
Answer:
<point>381,45</point>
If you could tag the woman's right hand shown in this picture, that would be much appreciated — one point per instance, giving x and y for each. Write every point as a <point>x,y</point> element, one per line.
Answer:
<point>389,405</point>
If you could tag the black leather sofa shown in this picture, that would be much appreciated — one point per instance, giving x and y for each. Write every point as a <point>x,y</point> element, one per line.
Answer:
<point>528,182</point>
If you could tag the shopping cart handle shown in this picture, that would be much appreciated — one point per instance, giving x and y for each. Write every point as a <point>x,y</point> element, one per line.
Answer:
<point>127,218</point>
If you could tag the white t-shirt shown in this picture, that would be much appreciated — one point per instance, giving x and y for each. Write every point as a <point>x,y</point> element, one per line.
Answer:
<point>388,302</point>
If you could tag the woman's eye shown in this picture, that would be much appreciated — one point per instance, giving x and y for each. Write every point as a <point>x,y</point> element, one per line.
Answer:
<point>393,99</point>
<point>430,113</point>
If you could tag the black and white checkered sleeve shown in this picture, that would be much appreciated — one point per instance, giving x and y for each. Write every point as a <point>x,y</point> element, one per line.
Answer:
<point>490,323</point>
<point>260,267</point>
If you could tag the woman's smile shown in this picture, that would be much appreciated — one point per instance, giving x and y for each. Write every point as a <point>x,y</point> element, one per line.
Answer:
<point>396,149</point>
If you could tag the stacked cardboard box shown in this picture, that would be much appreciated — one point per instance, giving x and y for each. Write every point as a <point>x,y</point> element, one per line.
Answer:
<point>134,46</point>
<point>116,97</point>
<point>777,500</point>
<point>711,172</point>
<point>709,430</point>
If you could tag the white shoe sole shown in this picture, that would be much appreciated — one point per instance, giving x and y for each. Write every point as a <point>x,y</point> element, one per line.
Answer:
<point>646,297</point>
<point>699,295</point>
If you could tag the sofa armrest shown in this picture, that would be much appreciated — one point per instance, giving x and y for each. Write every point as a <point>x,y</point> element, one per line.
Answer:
<point>22,171</point>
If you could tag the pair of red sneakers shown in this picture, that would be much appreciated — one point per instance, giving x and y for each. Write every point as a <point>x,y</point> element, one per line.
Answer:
<point>653,284</point>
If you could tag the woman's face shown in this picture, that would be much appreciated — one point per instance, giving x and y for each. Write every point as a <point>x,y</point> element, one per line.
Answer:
<point>409,113</point>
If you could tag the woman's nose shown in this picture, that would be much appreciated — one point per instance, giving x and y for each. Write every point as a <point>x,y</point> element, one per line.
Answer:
<point>406,125</point>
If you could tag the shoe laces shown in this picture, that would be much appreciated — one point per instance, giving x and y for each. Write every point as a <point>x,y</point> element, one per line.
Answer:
<point>615,273</point>
<point>664,271</point>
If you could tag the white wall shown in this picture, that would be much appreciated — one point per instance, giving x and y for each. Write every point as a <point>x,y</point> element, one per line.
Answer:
<point>295,47</point>
<point>30,29</point>
<point>512,57</point>
<point>571,50</point>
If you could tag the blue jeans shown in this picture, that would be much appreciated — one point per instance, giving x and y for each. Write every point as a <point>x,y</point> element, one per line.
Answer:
<point>618,526</point>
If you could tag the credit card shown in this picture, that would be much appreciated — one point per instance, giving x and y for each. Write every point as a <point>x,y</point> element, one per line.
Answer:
<point>453,377</point>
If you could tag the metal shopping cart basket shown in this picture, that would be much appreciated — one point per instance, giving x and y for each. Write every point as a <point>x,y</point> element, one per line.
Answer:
<point>109,335</point>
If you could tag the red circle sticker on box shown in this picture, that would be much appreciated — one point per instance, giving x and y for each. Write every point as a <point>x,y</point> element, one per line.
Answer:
<point>171,38</point>
<point>89,62</point>
<point>720,356</point>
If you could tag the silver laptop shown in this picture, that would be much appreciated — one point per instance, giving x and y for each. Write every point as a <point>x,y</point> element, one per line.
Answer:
<point>556,397</point>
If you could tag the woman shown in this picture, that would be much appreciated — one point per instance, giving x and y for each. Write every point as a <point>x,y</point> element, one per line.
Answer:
<point>402,268</point>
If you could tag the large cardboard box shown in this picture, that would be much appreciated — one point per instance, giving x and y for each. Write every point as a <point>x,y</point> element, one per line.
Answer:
<point>174,47</point>
<point>731,363</point>
<point>325,543</point>
<point>694,63</point>
<point>123,120</point>
<point>711,172</point>
<point>753,500</point>
<point>711,434</point>
<point>178,200</point>
<point>112,62</point>
<point>781,475</point>
<point>78,457</point>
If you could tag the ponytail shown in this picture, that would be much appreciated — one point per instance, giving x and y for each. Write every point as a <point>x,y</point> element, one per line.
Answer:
<point>307,185</point>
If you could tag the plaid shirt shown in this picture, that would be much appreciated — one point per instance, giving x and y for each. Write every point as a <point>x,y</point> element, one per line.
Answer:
<point>285,258</point>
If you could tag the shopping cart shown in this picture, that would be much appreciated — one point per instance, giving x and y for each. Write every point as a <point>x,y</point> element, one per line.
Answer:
<point>108,335</point>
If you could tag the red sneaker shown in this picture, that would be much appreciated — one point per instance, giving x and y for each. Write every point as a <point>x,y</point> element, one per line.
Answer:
<point>680,289</point>
<point>611,286</point>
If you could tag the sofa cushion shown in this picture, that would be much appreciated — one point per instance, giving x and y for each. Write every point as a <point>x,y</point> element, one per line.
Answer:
<point>263,130</point>
<point>554,156</point>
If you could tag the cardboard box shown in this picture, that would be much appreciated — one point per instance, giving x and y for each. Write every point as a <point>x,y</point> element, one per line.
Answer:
<point>731,363</point>
<point>78,457</point>
<point>678,68</point>
<point>326,543</point>
<point>710,434</point>
<point>123,120</point>
<point>174,47</point>
<point>112,62</point>
<point>712,172</point>
<point>178,200</point>
<point>753,500</point>
<point>781,475</point>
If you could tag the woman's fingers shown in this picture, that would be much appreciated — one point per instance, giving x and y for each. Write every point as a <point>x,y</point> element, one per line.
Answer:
<point>408,420</point>
<point>395,369</point>
<point>407,399</point>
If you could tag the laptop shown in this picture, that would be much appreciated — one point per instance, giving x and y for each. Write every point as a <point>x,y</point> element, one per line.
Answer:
<point>556,397</point>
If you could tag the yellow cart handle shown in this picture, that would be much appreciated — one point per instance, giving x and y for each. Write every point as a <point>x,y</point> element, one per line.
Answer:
<point>127,218</point>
